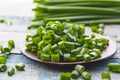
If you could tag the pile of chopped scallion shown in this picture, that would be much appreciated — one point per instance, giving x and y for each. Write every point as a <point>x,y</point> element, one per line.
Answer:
<point>65,42</point>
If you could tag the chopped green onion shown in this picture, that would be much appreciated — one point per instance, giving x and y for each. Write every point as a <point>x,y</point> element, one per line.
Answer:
<point>3,59</point>
<point>55,57</point>
<point>75,74</point>
<point>80,68</point>
<point>11,71</point>
<point>45,57</point>
<point>80,57</point>
<point>115,67</point>
<point>106,76</point>
<point>11,44</point>
<point>65,76</point>
<point>20,66</point>
<point>3,67</point>
<point>86,75</point>
<point>87,57</point>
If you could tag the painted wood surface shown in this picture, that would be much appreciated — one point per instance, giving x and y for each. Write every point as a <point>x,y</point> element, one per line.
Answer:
<point>38,71</point>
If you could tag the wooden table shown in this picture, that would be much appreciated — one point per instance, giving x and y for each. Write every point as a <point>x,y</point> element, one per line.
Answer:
<point>39,71</point>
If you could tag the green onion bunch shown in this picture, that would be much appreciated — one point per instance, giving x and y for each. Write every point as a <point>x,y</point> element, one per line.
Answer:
<point>80,11</point>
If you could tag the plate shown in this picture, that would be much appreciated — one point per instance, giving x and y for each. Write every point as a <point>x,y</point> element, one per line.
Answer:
<point>108,52</point>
